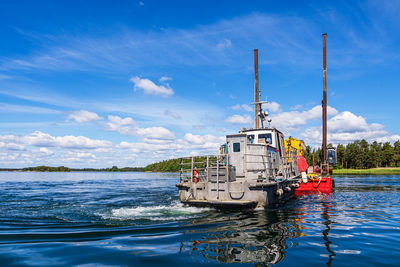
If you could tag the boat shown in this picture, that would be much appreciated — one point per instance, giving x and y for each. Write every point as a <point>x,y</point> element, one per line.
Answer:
<point>252,169</point>
<point>257,167</point>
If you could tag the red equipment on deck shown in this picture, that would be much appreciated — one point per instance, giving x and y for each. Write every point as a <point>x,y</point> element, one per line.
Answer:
<point>316,184</point>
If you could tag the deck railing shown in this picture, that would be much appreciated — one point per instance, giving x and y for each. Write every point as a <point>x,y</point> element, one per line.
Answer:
<point>268,163</point>
<point>202,164</point>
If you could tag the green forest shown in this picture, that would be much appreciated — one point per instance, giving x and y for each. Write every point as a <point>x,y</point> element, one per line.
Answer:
<point>174,165</point>
<point>362,155</point>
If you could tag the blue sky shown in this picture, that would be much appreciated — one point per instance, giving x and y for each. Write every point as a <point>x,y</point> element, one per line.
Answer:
<point>126,83</point>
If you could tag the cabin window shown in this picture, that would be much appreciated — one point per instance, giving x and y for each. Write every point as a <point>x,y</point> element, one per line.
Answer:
<point>250,138</point>
<point>236,147</point>
<point>265,138</point>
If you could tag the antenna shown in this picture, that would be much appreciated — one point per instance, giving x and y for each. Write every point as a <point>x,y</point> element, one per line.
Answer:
<point>324,109</point>
<point>256,93</point>
<point>259,114</point>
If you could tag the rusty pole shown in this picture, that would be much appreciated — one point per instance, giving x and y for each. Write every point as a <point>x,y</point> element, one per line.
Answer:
<point>324,109</point>
<point>256,87</point>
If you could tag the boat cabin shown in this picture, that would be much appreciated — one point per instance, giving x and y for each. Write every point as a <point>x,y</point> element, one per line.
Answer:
<point>250,150</point>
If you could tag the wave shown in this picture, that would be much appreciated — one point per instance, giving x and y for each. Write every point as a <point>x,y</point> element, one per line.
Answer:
<point>175,211</point>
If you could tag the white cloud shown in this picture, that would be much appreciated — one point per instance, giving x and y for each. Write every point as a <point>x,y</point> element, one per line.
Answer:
<point>46,151</point>
<point>226,43</point>
<point>127,126</point>
<point>349,122</point>
<point>389,138</point>
<point>10,108</point>
<point>83,116</point>
<point>238,119</point>
<point>155,133</point>
<point>202,139</point>
<point>40,139</point>
<point>124,126</point>
<point>80,155</point>
<point>172,114</point>
<point>347,127</point>
<point>165,78</point>
<point>296,107</point>
<point>189,143</point>
<point>273,106</point>
<point>150,88</point>
<point>242,107</point>
<point>293,119</point>
<point>11,146</point>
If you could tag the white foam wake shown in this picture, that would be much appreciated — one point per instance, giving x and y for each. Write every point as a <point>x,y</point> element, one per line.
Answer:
<point>175,211</point>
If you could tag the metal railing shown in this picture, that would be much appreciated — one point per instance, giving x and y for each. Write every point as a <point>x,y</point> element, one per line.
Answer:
<point>202,164</point>
<point>269,163</point>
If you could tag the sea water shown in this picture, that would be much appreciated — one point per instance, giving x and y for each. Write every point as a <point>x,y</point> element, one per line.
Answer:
<point>135,219</point>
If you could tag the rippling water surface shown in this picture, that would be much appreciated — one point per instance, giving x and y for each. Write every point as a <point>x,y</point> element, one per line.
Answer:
<point>133,219</point>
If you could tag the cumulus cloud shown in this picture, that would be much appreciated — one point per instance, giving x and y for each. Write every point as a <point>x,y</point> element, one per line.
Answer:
<point>238,119</point>
<point>11,146</point>
<point>150,88</point>
<point>124,126</point>
<point>349,122</point>
<point>273,106</point>
<point>80,151</point>
<point>155,133</point>
<point>83,116</point>
<point>127,126</point>
<point>40,139</point>
<point>242,107</point>
<point>347,127</point>
<point>202,139</point>
<point>46,151</point>
<point>293,119</point>
<point>190,142</point>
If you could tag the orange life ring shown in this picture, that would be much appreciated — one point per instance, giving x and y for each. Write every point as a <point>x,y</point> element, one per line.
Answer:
<point>195,176</point>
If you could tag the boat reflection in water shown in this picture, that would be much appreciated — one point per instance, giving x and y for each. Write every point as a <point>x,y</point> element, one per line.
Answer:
<point>254,237</point>
<point>261,237</point>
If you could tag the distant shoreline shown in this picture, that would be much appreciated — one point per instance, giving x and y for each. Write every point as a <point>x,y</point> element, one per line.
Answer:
<point>66,169</point>
<point>373,171</point>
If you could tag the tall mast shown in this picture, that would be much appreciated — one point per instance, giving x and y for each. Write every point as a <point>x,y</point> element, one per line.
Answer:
<point>256,94</point>
<point>324,108</point>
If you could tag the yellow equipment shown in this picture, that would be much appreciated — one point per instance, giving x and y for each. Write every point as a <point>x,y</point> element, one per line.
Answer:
<point>292,143</point>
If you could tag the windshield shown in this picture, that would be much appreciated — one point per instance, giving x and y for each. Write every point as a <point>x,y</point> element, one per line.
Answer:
<point>265,138</point>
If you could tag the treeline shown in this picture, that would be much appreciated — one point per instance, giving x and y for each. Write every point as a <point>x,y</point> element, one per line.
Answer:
<point>361,155</point>
<point>174,165</point>
<point>66,169</point>
<point>171,165</point>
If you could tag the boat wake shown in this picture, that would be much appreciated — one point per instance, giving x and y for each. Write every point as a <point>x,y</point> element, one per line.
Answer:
<point>175,211</point>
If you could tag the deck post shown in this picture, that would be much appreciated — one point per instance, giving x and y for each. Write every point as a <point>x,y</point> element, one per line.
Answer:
<point>207,168</point>
<point>191,171</point>
<point>181,171</point>
<point>217,178</point>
